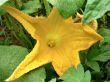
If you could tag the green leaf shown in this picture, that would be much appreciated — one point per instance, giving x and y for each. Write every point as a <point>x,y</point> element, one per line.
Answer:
<point>94,65</point>
<point>10,58</point>
<point>87,77</point>
<point>76,75</point>
<point>95,9</point>
<point>2,2</point>
<point>31,6</point>
<point>99,53</point>
<point>67,7</point>
<point>106,34</point>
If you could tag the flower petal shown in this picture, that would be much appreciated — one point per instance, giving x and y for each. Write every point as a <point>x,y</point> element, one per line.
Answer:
<point>24,19</point>
<point>60,62</point>
<point>55,19</point>
<point>34,59</point>
<point>80,37</point>
<point>74,58</point>
<point>72,55</point>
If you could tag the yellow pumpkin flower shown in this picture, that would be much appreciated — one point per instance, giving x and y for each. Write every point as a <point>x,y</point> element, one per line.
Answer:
<point>58,41</point>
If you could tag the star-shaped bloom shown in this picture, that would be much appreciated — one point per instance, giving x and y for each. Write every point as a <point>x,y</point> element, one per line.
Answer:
<point>58,41</point>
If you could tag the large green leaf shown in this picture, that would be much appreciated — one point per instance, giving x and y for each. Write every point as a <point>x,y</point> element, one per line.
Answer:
<point>10,57</point>
<point>67,7</point>
<point>95,9</point>
<point>76,75</point>
<point>31,6</point>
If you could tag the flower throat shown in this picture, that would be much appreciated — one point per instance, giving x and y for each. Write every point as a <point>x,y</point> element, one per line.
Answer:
<point>51,43</point>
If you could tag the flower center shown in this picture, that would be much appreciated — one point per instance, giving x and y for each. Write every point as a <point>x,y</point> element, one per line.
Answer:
<point>51,43</point>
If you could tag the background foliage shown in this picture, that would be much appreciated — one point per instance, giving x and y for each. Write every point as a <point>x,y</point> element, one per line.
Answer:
<point>15,42</point>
